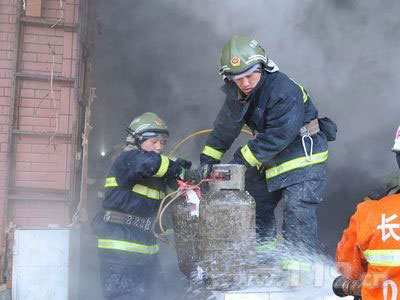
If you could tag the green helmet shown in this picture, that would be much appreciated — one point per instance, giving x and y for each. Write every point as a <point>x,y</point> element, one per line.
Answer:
<point>241,54</point>
<point>146,126</point>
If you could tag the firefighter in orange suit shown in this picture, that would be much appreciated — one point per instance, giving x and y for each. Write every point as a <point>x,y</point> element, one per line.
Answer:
<point>370,247</point>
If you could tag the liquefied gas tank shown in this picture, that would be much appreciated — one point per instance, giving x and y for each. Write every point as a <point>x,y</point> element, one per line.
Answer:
<point>186,228</point>
<point>227,236</point>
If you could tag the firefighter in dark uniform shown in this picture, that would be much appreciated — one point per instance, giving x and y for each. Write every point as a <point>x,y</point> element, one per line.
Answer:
<point>287,158</point>
<point>134,187</point>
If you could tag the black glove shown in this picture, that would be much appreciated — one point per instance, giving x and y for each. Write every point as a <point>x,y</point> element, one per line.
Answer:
<point>189,175</point>
<point>186,164</point>
<point>204,170</point>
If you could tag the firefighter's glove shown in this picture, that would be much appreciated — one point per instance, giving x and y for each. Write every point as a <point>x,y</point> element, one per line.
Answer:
<point>204,171</point>
<point>186,164</point>
<point>188,175</point>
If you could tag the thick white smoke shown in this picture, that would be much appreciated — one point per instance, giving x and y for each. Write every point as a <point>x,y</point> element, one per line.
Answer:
<point>163,56</point>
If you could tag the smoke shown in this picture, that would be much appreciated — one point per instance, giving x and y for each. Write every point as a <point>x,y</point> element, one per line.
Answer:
<point>163,56</point>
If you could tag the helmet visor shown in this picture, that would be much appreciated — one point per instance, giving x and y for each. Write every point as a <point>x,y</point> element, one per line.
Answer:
<point>154,134</point>
<point>255,68</point>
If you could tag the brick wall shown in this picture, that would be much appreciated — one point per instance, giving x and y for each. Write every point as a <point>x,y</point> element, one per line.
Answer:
<point>7,38</point>
<point>46,113</point>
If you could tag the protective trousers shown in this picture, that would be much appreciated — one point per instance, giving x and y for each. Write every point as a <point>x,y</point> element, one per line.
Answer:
<point>299,214</point>
<point>144,281</point>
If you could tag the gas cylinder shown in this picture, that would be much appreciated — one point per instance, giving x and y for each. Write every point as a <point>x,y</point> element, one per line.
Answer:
<point>186,228</point>
<point>227,235</point>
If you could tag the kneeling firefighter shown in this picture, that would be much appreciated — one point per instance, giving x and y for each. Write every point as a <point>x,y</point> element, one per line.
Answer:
<point>369,250</point>
<point>134,188</point>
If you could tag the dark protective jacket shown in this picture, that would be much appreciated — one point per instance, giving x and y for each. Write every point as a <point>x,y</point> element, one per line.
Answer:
<point>276,109</point>
<point>136,185</point>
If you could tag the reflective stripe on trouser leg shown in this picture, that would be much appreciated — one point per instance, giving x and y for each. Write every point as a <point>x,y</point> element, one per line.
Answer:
<point>128,246</point>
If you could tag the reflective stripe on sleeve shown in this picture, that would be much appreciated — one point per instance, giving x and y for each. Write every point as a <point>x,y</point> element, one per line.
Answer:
<point>110,182</point>
<point>127,246</point>
<point>214,153</point>
<point>163,166</point>
<point>249,157</point>
<point>305,96</point>
<point>148,192</point>
<point>390,257</point>
<point>296,163</point>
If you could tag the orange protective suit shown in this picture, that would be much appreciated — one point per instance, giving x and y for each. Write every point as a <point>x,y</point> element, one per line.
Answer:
<point>370,248</point>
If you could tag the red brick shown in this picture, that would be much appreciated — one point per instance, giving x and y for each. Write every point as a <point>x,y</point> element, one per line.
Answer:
<point>38,48</point>
<point>65,99</point>
<point>30,213</point>
<point>5,73</point>
<point>52,158</point>
<point>42,184</point>
<point>40,167</point>
<point>5,18</point>
<point>29,56</point>
<point>3,137</point>
<point>23,166</point>
<point>38,222</point>
<point>34,121</point>
<point>27,93</point>
<point>33,84</point>
<point>4,82</point>
<point>9,55</point>
<point>33,140</point>
<point>7,92</point>
<point>21,222</point>
<point>6,110</point>
<point>32,157</point>
<point>23,148</point>
<point>33,176</point>
<point>4,147</point>
<point>36,67</point>
<point>34,8</point>
<point>3,36</point>
<point>6,64</point>
<point>22,183</point>
<point>53,40</point>
<point>4,120</point>
<point>50,113</point>
<point>28,102</point>
<point>45,94</point>
<point>42,149</point>
<point>43,129</point>
<point>48,58</point>
<point>25,111</point>
<point>30,38</point>
<point>44,57</point>
<point>7,27</point>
